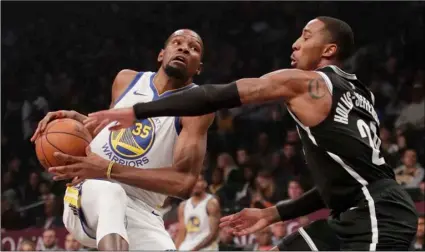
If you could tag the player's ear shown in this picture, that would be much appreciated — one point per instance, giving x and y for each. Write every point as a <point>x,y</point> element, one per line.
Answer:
<point>200,68</point>
<point>160,55</point>
<point>330,50</point>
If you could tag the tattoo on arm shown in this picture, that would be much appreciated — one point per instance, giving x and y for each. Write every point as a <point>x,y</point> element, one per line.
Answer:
<point>315,88</point>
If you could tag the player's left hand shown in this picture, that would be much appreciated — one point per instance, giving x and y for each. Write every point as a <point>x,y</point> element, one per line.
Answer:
<point>80,168</point>
<point>123,116</point>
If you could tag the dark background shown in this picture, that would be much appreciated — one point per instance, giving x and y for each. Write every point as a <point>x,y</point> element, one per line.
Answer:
<point>64,55</point>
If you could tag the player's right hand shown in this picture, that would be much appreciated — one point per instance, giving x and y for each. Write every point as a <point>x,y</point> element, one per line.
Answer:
<point>247,221</point>
<point>56,115</point>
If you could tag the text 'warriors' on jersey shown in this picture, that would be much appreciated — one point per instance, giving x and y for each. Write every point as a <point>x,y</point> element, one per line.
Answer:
<point>148,144</point>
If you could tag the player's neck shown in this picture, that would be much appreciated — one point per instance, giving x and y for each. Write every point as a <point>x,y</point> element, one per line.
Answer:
<point>196,199</point>
<point>164,83</point>
<point>326,62</point>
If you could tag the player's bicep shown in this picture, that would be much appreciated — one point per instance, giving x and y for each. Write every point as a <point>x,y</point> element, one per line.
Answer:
<point>214,213</point>
<point>286,84</point>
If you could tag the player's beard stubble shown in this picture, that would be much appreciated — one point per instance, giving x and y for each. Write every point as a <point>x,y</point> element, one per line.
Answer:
<point>175,72</point>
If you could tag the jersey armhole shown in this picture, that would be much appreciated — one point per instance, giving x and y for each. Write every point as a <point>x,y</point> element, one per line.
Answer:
<point>129,87</point>
<point>327,81</point>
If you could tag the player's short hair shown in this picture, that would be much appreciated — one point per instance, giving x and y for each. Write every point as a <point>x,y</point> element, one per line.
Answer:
<point>341,34</point>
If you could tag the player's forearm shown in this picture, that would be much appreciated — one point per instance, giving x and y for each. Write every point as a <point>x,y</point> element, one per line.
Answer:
<point>168,181</point>
<point>309,202</point>
<point>180,238</point>
<point>207,241</point>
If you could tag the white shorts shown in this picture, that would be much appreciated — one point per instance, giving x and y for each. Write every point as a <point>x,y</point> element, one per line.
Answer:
<point>144,225</point>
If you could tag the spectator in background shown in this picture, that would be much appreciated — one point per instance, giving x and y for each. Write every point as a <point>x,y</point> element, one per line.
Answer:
<point>224,120</point>
<point>413,114</point>
<point>263,240</point>
<point>264,153</point>
<point>420,234</point>
<point>266,193</point>
<point>226,163</point>
<point>292,137</point>
<point>411,173</point>
<point>71,244</point>
<point>10,219</point>
<point>242,156</point>
<point>27,245</point>
<point>50,219</point>
<point>216,181</point>
<point>279,231</point>
<point>49,241</point>
<point>31,191</point>
<point>295,190</point>
<point>45,193</point>
<point>8,189</point>
<point>389,149</point>
<point>243,195</point>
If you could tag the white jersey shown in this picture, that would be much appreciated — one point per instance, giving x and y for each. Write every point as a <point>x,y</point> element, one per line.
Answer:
<point>197,225</point>
<point>148,144</point>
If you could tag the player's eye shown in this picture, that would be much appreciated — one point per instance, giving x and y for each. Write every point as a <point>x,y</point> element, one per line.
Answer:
<point>195,49</point>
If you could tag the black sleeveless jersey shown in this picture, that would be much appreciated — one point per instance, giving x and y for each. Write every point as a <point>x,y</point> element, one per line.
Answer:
<point>343,151</point>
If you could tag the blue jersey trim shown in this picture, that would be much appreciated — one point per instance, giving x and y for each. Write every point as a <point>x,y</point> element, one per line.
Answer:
<point>129,87</point>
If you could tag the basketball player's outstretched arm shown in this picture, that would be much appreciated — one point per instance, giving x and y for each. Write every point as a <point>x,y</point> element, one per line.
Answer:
<point>251,220</point>
<point>289,84</point>
<point>213,209</point>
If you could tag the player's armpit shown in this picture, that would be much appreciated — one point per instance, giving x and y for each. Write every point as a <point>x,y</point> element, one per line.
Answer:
<point>181,235</point>
<point>214,214</point>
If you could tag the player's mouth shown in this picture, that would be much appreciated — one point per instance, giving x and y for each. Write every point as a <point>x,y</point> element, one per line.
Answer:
<point>293,60</point>
<point>180,59</point>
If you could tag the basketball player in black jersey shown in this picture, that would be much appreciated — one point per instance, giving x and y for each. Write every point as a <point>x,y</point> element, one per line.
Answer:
<point>339,131</point>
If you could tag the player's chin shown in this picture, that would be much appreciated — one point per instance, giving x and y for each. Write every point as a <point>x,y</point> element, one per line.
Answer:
<point>178,71</point>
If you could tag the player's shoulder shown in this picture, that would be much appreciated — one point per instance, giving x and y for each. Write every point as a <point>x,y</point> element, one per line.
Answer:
<point>126,75</point>
<point>213,201</point>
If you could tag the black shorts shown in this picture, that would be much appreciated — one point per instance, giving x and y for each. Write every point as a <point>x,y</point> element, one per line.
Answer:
<point>317,236</point>
<point>386,220</point>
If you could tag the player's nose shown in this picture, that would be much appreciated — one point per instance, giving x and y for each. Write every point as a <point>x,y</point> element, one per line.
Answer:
<point>184,48</point>
<point>296,45</point>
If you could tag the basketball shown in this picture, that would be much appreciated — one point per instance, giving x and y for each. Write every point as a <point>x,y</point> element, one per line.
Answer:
<point>62,135</point>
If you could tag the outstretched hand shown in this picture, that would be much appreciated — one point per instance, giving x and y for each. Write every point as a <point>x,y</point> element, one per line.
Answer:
<point>80,168</point>
<point>247,221</point>
<point>123,116</point>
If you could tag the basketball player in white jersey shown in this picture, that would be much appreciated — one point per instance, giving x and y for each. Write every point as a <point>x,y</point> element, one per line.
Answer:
<point>199,218</point>
<point>138,167</point>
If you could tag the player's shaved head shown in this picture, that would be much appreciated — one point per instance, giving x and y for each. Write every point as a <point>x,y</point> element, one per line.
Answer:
<point>186,32</point>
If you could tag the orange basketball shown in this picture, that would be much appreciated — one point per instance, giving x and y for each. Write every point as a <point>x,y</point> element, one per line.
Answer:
<point>62,135</point>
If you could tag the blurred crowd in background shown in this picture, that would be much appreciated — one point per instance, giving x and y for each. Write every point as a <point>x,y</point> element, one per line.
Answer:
<point>59,55</point>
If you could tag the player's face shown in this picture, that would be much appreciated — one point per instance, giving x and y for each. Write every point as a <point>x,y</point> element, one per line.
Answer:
<point>311,46</point>
<point>199,187</point>
<point>181,58</point>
